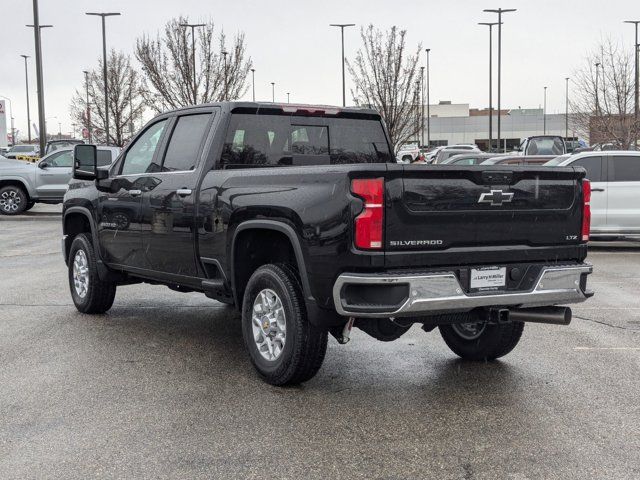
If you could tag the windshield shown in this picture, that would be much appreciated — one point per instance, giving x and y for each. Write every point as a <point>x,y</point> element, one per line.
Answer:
<point>22,148</point>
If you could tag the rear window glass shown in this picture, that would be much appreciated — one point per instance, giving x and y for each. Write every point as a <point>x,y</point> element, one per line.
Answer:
<point>187,136</point>
<point>593,166</point>
<point>625,169</point>
<point>545,146</point>
<point>280,140</point>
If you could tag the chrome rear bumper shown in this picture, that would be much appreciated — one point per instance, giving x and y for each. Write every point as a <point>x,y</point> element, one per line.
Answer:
<point>442,293</point>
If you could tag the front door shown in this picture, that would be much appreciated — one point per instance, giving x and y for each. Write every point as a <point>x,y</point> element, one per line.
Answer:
<point>53,175</point>
<point>596,173</point>
<point>119,208</point>
<point>169,209</point>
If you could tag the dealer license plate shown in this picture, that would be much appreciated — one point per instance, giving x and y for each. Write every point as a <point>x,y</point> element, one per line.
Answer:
<point>489,277</point>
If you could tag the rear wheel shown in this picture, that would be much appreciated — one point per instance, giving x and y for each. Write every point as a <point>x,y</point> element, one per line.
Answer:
<point>89,293</point>
<point>481,340</point>
<point>283,346</point>
<point>13,200</point>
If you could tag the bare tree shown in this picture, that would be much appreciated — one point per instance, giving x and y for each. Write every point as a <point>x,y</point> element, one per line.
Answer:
<point>126,106</point>
<point>385,78</point>
<point>168,66</point>
<point>602,104</point>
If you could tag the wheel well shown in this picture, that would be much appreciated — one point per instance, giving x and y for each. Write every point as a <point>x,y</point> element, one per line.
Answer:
<point>254,248</point>
<point>74,224</point>
<point>16,183</point>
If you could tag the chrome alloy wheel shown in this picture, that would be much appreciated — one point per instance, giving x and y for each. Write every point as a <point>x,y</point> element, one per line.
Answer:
<point>469,331</point>
<point>10,201</point>
<point>269,324</point>
<point>81,273</point>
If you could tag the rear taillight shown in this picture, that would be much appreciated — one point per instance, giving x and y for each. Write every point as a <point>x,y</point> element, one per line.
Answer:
<point>586,209</point>
<point>369,223</point>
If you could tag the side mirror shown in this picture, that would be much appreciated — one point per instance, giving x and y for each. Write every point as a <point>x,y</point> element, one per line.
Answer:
<point>85,163</point>
<point>42,165</point>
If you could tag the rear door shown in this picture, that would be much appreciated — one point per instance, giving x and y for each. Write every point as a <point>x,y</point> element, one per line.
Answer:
<point>623,193</point>
<point>444,207</point>
<point>52,180</point>
<point>596,167</point>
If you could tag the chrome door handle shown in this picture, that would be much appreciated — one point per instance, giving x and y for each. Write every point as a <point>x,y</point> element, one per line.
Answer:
<point>135,193</point>
<point>183,192</point>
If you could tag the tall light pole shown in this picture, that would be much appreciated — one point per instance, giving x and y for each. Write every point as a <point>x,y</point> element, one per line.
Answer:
<point>422,106</point>
<point>342,27</point>
<point>288,101</point>
<point>104,70</point>
<point>26,84</point>
<point>224,55</point>
<point>253,83</point>
<point>193,27</point>
<point>597,65</point>
<point>499,11</point>
<point>544,113</point>
<point>490,25</point>
<point>39,82</point>
<point>13,130</point>
<point>566,108</point>
<point>635,78</point>
<point>273,92</point>
<point>428,103</point>
<point>88,109</point>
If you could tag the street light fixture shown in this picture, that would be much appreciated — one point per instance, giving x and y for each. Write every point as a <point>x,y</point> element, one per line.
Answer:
<point>88,109</point>
<point>104,69</point>
<point>490,25</point>
<point>422,106</point>
<point>544,113</point>
<point>193,27</point>
<point>253,83</point>
<point>597,65</point>
<point>224,54</point>
<point>39,82</point>
<point>342,27</point>
<point>428,102</point>
<point>26,83</point>
<point>499,11</point>
<point>288,98</point>
<point>566,109</point>
<point>635,56</point>
<point>273,92</point>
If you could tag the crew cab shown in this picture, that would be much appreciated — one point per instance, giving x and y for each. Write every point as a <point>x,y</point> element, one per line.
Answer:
<point>23,184</point>
<point>301,218</point>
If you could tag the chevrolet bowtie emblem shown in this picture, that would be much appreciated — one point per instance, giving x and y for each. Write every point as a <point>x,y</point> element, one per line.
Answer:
<point>496,197</point>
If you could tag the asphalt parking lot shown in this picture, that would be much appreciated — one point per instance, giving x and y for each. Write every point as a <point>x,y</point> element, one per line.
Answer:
<point>161,387</point>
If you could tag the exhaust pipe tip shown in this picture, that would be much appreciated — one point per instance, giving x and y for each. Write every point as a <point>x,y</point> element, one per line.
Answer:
<point>548,315</point>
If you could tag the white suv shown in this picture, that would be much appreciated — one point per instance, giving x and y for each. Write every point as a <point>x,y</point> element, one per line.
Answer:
<point>615,187</point>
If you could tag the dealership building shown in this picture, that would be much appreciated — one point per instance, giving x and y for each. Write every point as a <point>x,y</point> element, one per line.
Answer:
<point>452,123</point>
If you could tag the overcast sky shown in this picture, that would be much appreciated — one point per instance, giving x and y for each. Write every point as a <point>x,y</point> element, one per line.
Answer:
<point>292,44</point>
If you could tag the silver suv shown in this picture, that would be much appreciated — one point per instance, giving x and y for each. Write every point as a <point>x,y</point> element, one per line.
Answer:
<point>615,190</point>
<point>23,184</point>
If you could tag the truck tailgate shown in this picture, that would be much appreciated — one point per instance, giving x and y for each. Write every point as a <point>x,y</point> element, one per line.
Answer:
<point>439,208</point>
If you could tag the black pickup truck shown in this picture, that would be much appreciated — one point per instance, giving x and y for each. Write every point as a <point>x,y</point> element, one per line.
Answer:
<point>300,217</point>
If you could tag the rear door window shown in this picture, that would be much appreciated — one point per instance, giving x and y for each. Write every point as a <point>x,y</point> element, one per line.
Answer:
<point>593,166</point>
<point>281,140</point>
<point>624,169</point>
<point>185,143</point>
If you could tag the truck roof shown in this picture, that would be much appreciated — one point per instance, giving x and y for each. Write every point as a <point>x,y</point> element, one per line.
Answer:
<point>286,107</point>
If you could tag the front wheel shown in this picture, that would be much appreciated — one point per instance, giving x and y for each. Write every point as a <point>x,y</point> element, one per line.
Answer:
<point>89,293</point>
<point>284,347</point>
<point>13,200</point>
<point>481,340</point>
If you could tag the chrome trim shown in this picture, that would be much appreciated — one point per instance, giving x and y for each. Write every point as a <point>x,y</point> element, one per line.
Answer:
<point>441,292</point>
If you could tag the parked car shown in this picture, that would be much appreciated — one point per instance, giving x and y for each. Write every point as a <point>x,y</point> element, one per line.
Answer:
<point>615,190</point>
<point>469,158</point>
<point>67,144</point>
<point>408,153</point>
<point>301,218</point>
<point>543,145</point>
<point>22,150</point>
<point>519,160</point>
<point>23,184</point>
<point>463,147</point>
<point>446,153</point>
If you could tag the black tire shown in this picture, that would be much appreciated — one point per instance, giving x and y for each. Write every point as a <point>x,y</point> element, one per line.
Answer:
<point>305,345</point>
<point>99,295</point>
<point>13,200</point>
<point>29,206</point>
<point>494,341</point>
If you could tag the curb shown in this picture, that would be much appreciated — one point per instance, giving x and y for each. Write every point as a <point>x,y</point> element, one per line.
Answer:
<point>25,218</point>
